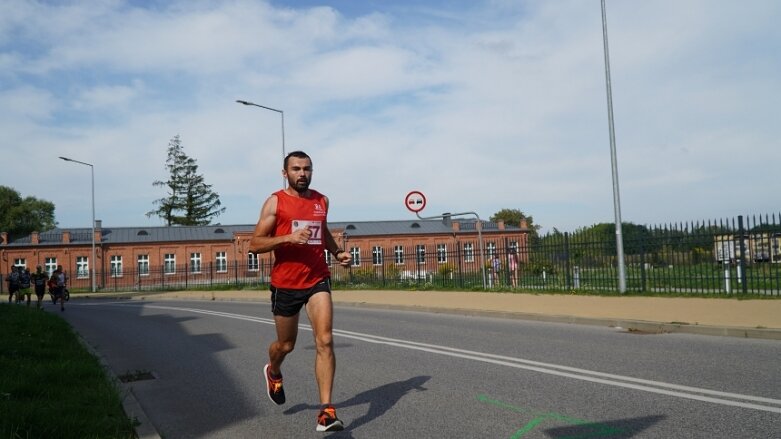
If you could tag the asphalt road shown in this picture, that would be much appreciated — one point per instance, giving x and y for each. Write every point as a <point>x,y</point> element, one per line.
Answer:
<point>403,374</point>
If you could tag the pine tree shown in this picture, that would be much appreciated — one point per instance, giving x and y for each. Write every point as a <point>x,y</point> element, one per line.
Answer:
<point>190,201</point>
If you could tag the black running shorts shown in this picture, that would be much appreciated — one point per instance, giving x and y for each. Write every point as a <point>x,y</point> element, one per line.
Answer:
<point>288,303</point>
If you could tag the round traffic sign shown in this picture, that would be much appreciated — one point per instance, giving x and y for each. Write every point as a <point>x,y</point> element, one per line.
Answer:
<point>415,201</point>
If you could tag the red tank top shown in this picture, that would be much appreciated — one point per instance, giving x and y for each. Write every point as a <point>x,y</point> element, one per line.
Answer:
<point>300,266</point>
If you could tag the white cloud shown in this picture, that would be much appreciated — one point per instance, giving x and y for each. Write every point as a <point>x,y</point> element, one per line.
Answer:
<point>482,105</point>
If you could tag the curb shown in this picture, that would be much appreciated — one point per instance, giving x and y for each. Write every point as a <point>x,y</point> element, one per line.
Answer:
<point>634,326</point>
<point>133,410</point>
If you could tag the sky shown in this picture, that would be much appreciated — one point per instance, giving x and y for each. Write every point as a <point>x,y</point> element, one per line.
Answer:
<point>481,105</point>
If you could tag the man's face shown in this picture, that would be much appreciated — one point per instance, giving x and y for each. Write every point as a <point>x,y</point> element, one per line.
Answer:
<point>298,173</point>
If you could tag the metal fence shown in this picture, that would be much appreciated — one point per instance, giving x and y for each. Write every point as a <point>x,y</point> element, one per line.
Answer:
<point>735,256</point>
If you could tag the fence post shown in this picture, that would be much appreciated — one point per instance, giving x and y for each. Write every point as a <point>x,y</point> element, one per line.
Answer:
<point>742,264</point>
<point>568,275</point>
<point>643,279</point>
<point>459,258</point>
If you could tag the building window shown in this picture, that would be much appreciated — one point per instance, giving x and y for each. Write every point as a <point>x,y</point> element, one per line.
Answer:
<point>328,257</point>
<point>377,255</point>
<point>355,252</point>
<point>469,252</point>
<point>252,262</point>
<point>82,267</point>
<point>441,253</point>
<point>20,262</point>
<point>50,265</point>
<point>420,253</point>
<point>195,262</point>
<point>222,262</point>
<point>116,266</point>
<point>491,249</point>
<point>398,254</point>
<point>169,263</point>
<point>143,265</point>
<point>514,246</point>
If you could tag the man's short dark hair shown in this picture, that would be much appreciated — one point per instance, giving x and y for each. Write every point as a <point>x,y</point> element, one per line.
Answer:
<point>296,154</point>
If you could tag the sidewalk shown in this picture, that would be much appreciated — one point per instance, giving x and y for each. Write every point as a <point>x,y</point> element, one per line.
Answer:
<point>726,317</point>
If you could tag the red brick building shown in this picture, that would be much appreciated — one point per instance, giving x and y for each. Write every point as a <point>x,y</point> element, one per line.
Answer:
<point>139,257</point>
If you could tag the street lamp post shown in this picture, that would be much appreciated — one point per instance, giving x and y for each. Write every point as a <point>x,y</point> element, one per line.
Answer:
<point>92,174</point>
<point>614,162</point>
<point>282,113</point>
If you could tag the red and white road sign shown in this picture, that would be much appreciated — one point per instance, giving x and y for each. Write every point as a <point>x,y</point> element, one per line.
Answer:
<point>415,201</point>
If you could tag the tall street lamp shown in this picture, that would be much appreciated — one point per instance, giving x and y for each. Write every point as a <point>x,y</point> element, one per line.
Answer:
<point>282,113</point>
<point>614,162</point>
<point>92,173</point>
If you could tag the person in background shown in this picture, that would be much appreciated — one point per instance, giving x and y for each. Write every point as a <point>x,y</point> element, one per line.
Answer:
<point>58,279</point>
<point>13,284</point>
<point>496,266</point>
<point>39,283</point>
<point>24,285</point>
<point>512,264</point>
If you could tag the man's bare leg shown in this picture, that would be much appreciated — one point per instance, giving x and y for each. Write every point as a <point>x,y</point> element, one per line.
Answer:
<point>320,312</point>
<point>287,332</point>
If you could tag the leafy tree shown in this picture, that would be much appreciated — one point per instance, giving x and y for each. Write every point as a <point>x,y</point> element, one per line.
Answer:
<point>22,216</point>
<point>637,238</point>
<point>513,217</point>
<point>190,201</point>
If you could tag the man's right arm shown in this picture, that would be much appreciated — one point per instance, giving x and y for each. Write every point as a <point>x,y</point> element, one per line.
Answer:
<point>262,241</point>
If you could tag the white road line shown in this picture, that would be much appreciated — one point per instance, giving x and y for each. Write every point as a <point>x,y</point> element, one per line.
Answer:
<point>687,392</point>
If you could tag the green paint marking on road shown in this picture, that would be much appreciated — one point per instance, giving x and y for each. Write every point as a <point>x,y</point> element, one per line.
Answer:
<point>500,404</point>
<point>599,429</point>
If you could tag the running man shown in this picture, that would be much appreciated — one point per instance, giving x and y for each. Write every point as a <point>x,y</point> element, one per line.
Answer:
<point>39,281</point>
<point>58,279</point>
<point>13,284</point>
<point>293,225</point>
<point>24,284</point>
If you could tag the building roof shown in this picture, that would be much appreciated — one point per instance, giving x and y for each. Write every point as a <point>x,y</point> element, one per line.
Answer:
<point>413,227</point>
<point>136,235</point>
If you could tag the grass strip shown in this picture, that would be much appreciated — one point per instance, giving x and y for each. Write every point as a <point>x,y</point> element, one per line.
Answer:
<point>51,386</point>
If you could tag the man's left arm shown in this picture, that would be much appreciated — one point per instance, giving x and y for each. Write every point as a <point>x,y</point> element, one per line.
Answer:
<point>330,243</point>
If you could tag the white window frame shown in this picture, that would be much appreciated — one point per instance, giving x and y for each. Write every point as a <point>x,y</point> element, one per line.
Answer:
<point>116,265</point>
<point>376,255</point>
<point>355,253</point>
<point>82,267</point>
<point>221,260</point>
<point>51,265</point>
<point>490,248</point>
<point>441,253</point>
<point>253,262</point>
<point>169,263</point>
<point>142,263</point>
<point>398,254</point>
<point>469,252</point>
<point>420,253</point>
<point>20,262</point>
<point>195,262</point>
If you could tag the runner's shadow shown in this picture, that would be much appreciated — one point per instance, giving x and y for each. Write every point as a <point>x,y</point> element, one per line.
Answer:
<point>380,400</point>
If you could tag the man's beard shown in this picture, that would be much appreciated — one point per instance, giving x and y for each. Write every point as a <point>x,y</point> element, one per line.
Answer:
<point>301,185</point>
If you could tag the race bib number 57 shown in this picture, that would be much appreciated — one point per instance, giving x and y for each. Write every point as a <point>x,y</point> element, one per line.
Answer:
<point>316,227</point>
